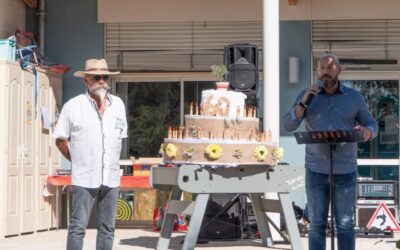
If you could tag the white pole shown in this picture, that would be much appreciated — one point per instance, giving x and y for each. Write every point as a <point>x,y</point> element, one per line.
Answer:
<point>271,67</point>
<point>271,85</point>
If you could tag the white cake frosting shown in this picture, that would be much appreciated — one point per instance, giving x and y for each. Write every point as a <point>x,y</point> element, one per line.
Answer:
<point>222,134</point>
<point>223,103</point>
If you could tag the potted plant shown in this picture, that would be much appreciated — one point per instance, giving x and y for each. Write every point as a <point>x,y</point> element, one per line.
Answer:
<point>220,71</point>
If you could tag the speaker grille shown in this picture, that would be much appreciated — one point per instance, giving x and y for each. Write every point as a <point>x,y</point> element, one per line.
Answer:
<point>242,63</point>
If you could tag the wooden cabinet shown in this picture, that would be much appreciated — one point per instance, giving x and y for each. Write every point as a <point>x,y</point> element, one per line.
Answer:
<point>27,151</point>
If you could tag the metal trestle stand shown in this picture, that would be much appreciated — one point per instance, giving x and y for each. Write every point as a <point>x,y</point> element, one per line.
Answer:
<point>204,180</point>
<point>332,137</point>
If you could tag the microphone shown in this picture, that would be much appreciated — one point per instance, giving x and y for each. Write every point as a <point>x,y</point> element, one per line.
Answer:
<point>311,97</point>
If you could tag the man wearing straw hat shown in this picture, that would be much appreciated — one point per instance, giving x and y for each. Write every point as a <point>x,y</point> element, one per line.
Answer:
<point>89,133</point>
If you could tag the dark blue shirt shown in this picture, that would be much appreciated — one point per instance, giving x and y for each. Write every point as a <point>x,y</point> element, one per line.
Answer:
<point>342,110</point>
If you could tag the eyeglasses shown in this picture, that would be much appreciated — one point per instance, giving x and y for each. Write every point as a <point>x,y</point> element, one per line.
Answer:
<point>99,77</point>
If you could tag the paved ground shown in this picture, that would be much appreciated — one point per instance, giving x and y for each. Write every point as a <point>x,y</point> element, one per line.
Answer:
<point>146,239</point>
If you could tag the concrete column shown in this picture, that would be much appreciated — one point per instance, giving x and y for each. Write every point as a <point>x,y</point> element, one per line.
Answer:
<point>271,66</point>
<point>271,84</point>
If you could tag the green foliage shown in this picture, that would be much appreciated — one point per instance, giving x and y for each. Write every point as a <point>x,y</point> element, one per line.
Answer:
<point>219,71</point>
<point>152,108</point>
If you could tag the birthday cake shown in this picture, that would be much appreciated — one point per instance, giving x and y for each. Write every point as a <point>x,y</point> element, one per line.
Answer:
<point>222,130</point>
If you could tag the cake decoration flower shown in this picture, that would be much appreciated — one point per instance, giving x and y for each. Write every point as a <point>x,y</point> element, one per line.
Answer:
<point>162,149</point>
<point>260,153</point>
<point>277,153</point>
<point>238,153</point>
<point>213,151</point>
<point>187,154</point>
<point>193,130</point>
<point>171,150</point>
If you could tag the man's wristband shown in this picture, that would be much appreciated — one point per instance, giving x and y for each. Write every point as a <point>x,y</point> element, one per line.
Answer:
<point>301,104</point>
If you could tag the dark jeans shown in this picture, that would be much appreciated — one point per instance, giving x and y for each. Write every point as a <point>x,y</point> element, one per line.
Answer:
<point>82,203</point>
<point>317,188</point>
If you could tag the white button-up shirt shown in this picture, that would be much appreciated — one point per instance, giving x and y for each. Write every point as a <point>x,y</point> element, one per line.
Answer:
<point>94,141</point>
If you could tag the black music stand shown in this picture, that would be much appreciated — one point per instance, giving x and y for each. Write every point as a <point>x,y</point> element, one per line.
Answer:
<point>331,137</point>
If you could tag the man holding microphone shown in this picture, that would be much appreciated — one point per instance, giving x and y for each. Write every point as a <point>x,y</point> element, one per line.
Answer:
<point>329,105</point>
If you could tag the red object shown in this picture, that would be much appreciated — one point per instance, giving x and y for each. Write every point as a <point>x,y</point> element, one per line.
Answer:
<point>158,218</point>
<point>58,68</point>
<point>137,182</point>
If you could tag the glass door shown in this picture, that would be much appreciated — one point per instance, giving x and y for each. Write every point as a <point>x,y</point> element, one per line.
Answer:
<point>152,107</point>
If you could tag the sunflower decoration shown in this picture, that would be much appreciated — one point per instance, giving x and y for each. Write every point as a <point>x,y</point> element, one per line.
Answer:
<point>260,153</point>
<point>187,154</point>
<point>171,150</point>
<point>277,153</point>
<point>162,149</point>
<point>213,151</point>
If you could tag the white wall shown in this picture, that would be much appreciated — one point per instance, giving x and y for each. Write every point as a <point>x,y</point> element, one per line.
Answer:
<point>340,9</point>
<point>242,10</point>
<point>12,16</point>
<point>178,10</point>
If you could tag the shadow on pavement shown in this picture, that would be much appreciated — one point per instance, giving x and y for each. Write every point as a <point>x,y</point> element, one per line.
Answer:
<point>176,242</point>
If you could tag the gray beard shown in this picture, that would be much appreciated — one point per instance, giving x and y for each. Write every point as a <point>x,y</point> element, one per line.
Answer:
<point>101,93</point>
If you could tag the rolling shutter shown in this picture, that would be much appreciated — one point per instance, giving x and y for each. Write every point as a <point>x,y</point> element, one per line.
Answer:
<point>357,39</point>
<point>184,46</point>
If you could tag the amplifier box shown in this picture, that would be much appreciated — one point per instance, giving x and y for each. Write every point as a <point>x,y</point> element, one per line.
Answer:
<point>221,228</point>
<point>383,189</point>
<point>364,213</point>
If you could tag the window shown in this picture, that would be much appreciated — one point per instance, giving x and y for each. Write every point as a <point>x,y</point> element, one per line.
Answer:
<point>382,98</point>
<point>151,108</point>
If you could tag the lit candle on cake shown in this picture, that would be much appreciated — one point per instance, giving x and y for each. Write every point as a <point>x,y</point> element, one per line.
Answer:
<point>197,109</point>
<point>186,133</point>
<point>176,133</point>
<point>180,133</point>
<point>191,108</point>
<point>169,132</point>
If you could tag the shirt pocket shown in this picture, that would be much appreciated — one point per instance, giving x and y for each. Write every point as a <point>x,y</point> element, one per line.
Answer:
<point>78,131</point>
<point>119,125</point>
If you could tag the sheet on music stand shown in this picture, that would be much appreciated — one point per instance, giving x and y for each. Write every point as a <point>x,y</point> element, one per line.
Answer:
<point>329,136</point>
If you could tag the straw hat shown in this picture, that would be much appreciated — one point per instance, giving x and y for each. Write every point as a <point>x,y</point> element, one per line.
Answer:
<point>95,67</point>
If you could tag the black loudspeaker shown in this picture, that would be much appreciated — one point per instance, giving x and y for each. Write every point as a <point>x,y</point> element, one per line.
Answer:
<point>241,61</point>
<point>222,218</point>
